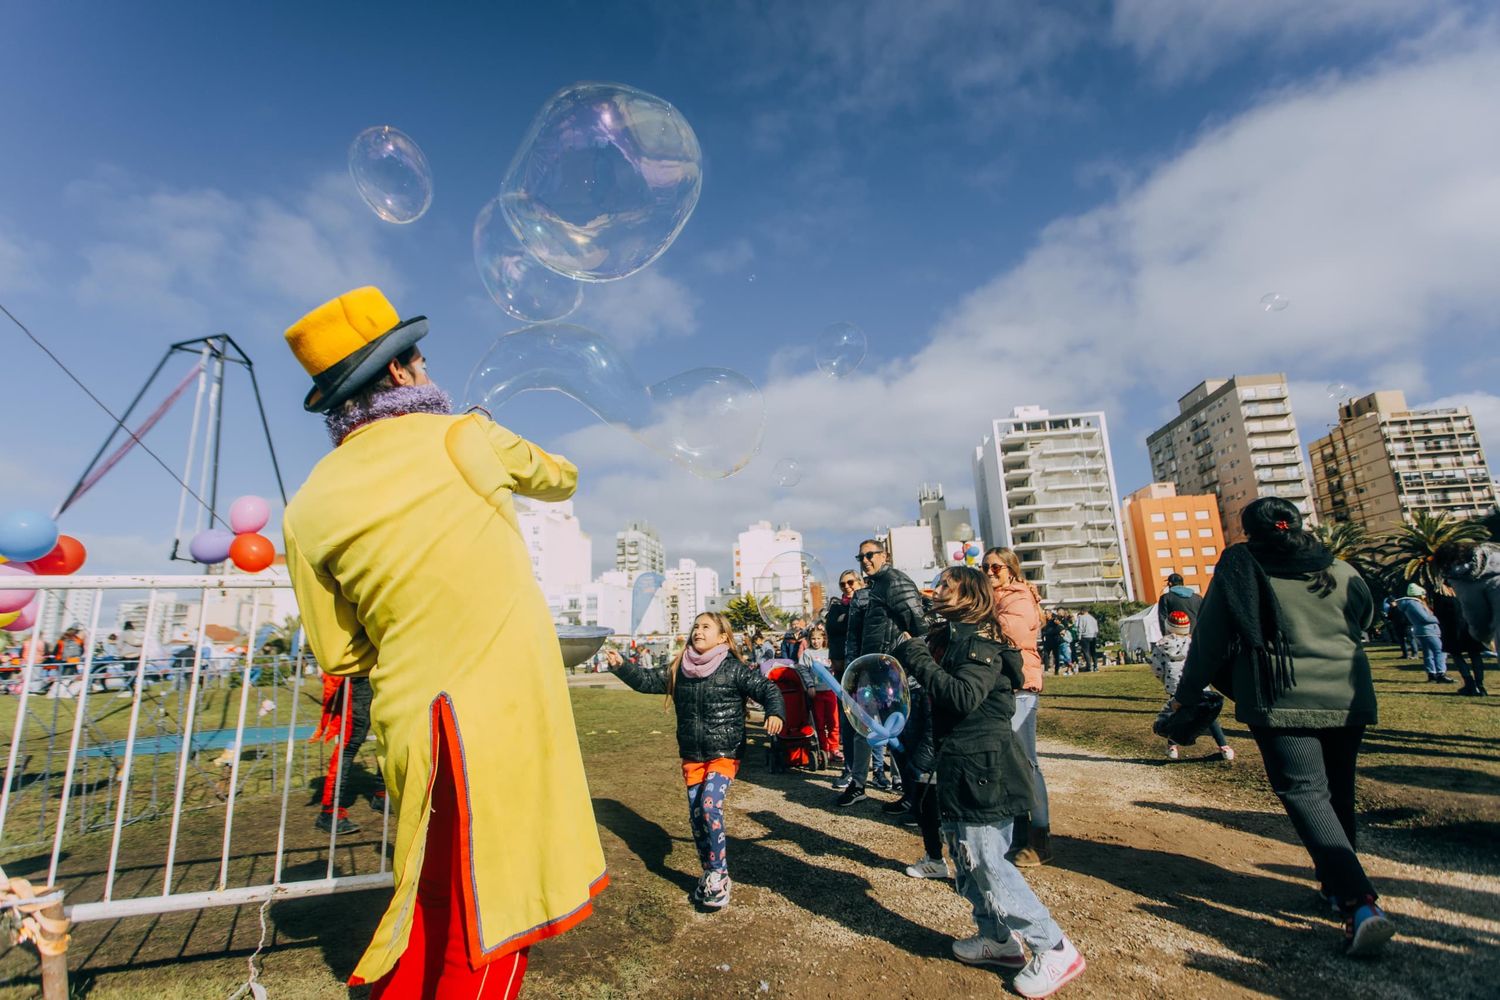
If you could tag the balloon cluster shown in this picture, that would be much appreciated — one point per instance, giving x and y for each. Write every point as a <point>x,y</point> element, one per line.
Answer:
<point>967,555</point>
<point>242,543</point>
<point>31,546</point>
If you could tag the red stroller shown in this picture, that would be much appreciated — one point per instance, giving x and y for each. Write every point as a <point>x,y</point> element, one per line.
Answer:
<point>797,743</point>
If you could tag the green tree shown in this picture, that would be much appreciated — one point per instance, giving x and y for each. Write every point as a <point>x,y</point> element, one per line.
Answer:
<point>1406,553</point>
<point>282,636</point>
<point>1109,614</point>
<point>1347,540</point>
<point>751,615</point>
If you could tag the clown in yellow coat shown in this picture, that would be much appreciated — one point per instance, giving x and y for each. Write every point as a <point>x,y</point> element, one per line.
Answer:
<point>408,565</point>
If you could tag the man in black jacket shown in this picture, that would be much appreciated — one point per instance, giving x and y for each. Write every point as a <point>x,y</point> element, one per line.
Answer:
<point>1177,597</point>
<point>889,604</point>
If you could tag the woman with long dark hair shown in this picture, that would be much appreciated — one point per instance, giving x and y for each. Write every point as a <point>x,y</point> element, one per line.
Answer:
<point>1279,632</point>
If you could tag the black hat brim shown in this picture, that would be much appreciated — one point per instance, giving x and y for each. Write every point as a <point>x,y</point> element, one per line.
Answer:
<point>337,383</point>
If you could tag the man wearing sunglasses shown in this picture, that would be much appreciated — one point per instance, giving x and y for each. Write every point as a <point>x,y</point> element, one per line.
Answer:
<point>888,605</point>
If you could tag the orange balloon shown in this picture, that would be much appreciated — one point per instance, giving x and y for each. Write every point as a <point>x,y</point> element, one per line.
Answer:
<point>66,557</point>
<point>252,552</point>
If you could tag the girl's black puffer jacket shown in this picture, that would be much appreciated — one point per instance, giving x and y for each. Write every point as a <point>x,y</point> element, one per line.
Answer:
<point>710,710</point>
<point>983,775</point>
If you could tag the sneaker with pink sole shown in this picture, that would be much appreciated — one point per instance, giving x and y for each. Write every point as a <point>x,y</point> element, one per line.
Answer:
<point>1050,970</point>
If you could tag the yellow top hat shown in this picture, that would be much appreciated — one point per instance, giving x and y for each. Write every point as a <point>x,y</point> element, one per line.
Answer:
<point>347,342</point>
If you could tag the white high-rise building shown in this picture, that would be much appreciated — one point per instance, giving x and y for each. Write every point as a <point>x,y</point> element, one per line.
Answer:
<point>1045,485</point>
<point>638,550</point>
<point>606,601</point>
<point>769,562</point>
<point>689,589</point>
<point>66,608</point>
<point>911,551</point>
<point>561,553</point>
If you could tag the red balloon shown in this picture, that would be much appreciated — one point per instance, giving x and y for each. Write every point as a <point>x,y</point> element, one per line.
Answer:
<point>66,557</point>
<point>252,552</point>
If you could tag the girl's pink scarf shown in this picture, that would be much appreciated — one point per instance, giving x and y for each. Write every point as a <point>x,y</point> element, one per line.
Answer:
<point>700,665</point>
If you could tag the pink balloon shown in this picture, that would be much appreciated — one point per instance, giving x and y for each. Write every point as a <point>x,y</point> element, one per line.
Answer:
<point>26,619</point>
<point>14,600</point>
<point>248,515</point>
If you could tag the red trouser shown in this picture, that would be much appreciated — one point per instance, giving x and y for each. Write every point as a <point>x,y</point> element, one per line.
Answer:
<point>435,964</point>
<point>825,711</point>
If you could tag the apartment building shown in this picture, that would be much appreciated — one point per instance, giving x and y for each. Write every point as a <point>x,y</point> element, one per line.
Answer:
<point>1235,439</point>
<point>1167,533</point>
<point>638,550</point>
<point>1045,486</point>
<point>1384,462</point>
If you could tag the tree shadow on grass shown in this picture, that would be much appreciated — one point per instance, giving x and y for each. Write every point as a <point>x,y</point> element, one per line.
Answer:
<point>340,925</point>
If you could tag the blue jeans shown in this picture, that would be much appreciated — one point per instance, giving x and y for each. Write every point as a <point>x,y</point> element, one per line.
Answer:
<point>1002,900</point>
<point>1023,724</point>
<point>1433,658</point>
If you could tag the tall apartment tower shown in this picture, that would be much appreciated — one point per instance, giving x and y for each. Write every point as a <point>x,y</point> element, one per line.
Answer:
<point>638,550</point>
<point>1166,533</point>
<point>769,562</point>
<point>1383,462</point>
<point>561,552</point>
<point>1236,439</point>
<point>950,525</point>
<point>1045,485</point>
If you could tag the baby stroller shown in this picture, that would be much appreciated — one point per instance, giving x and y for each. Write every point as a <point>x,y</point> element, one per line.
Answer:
<point>797,743</point>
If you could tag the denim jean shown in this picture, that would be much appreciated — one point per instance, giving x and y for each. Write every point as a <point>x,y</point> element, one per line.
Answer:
<point>1433,658</point>
<point>859,757</point>
<point>1023,724</point>
<point>1001,899</point>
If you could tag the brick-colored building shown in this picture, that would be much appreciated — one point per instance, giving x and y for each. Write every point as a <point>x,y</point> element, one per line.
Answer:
<point>1166,533</point>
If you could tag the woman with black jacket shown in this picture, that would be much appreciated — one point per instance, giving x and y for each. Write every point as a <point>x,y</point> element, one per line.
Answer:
<point>984,783</point>
<point>708,684</point>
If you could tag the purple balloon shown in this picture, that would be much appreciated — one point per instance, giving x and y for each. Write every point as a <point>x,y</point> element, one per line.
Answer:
<point>211,546</point>
<point>249,514</point>
<point>14,600</point>
<point>27,619</point>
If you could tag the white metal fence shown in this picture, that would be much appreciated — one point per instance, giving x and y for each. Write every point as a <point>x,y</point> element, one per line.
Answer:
<point>154,784</point>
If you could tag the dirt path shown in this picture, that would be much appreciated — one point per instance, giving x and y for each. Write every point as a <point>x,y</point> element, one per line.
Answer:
<point>1167,893</point>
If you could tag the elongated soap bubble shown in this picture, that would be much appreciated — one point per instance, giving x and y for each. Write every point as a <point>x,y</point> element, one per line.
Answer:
<point>709,420</point>
<point>878,685</point>
<point>603,182</point>
<point>1274,302</point>
<point>517,281</point>
<point>391,174</point>
<point>643,593</point>
<point>840,349</point>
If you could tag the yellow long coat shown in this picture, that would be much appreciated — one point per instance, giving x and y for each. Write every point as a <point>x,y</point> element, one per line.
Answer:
<point>408,565</point>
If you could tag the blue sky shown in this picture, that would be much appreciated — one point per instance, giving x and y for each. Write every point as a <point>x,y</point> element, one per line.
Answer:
<point>1073,205</point>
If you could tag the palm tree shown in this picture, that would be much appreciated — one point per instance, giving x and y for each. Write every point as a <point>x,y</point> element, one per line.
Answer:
<point>1346,540</point>
<point>1410,548</point>
<point>751,615</point>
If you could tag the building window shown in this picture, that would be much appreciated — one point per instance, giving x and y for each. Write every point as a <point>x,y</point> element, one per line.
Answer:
<point>1163,553</point>
<point>1205,532</point>
<point>1209,570</point>
<point>1190,571</point>
<point>1210,550</point>
<point>1184,533</point>
<point>1160,536</point>
<point>1179,515</point>
<point>1201,515</point>
<point>1167,571</point>
<point>1158,518</point>
<point>1185,553</point>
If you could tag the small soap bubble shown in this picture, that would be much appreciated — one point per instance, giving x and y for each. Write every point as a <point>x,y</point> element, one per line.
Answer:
<point>787,473</point>
<point>603,182</point>
<point>840,349</point>
<point>878,685</point>
<point>709,420</point>
<point>792,585</point>
<point>391,173</point>
<point>1337,391</point>
<point>517,281</point>
<point>1274,302</point>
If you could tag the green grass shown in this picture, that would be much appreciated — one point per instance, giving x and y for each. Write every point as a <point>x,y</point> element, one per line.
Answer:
<point>1433,761</point>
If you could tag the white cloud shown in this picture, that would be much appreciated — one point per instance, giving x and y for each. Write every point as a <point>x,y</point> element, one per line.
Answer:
<point>1177,39</point>
<point>646,306</point>
<point>1485,408</point>
<point>735,256</point>
<point>1372,202</point>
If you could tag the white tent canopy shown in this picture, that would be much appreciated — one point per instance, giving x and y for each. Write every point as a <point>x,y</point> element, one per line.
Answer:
<point>1139,631</point>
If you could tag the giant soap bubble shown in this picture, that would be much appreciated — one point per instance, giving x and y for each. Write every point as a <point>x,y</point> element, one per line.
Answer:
<point>391,173</point>
<point>878,687</point>
<point>643,594</point>
<point>517,281</point>
<point>603,182</point>
<point>840,349</point>
<point>709,420</point>
<point>793,584</point>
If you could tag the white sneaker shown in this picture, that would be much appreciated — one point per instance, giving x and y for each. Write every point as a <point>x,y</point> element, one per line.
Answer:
<point>716,886</point>
<point>1172,751</point>
<point>1226,753</point>
<point>1050,970</point>
<point>980,950</point>
<point>928,868</point>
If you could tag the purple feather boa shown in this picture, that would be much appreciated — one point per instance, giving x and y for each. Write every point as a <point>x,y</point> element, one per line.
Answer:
<point>398,402</point>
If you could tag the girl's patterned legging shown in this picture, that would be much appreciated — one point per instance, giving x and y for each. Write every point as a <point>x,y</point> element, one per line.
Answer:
<point>706,813</point>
